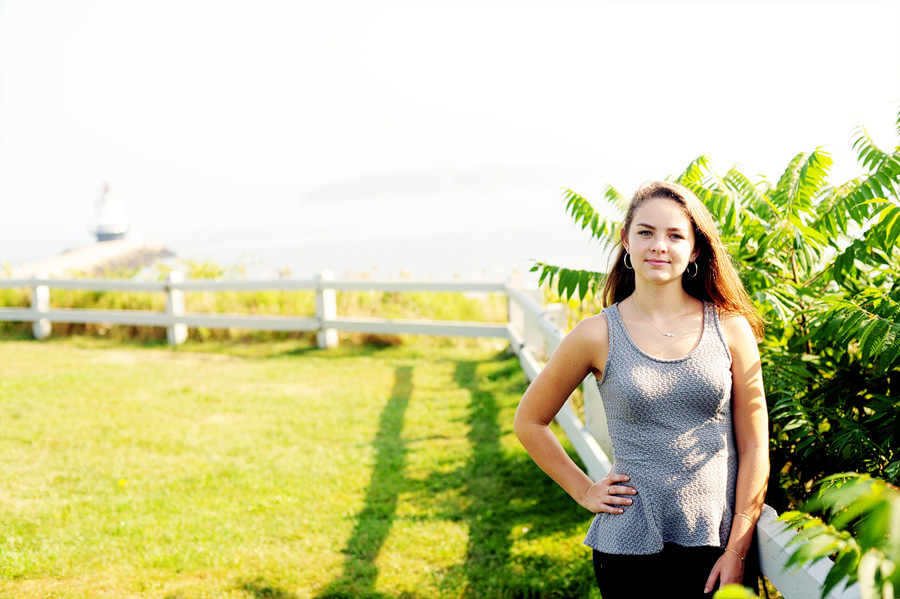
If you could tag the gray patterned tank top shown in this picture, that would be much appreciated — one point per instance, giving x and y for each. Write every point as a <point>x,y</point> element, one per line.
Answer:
<point>671,431</point>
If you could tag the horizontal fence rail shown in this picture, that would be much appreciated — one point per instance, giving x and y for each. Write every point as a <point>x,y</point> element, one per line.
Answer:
<point>326,323</point>
<point>260,285</point>
<point>160,319</point>
<point>534,332</point>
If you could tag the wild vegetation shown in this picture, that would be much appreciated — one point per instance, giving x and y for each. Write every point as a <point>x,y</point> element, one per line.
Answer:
<point>859,528</point>
<point>481,307</point>
<point>822,264</point>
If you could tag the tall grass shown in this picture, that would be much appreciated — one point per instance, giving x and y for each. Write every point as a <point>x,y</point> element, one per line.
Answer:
<point>479,307</point>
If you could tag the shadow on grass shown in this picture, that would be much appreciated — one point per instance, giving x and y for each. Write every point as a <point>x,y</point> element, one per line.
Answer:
<point>501,491</point>
<point>259,589</point>
<point>508,491</point>
<point>374,521</point>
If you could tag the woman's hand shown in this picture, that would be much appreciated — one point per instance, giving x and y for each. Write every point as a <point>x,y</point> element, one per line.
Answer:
<point>728,568</point>
<point>606,495</point>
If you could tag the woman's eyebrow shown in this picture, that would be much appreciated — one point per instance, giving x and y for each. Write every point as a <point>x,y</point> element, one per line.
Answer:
<point>646,226</point>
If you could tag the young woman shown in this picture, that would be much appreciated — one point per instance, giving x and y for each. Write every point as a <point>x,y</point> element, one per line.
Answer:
<point>675,356</point>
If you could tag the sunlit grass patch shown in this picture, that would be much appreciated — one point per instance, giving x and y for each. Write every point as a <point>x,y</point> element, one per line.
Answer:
<point>274,470</point>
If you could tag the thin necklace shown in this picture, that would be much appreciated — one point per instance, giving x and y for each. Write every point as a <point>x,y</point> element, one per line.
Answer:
<point>672,334</point>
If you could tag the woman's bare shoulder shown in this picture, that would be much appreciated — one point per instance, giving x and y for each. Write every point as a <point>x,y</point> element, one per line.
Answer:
<point>593,326</point>
<point>735,325</point>
<point>587,334</point>
<point>738,333</point>
<point>589,339</point>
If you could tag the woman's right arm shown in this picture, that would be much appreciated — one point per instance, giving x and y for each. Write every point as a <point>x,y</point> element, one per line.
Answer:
<point>581,352</point>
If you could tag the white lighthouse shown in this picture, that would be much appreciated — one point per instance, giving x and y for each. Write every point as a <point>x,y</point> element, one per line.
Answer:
<point>111,221</point>
<point>112,251</point>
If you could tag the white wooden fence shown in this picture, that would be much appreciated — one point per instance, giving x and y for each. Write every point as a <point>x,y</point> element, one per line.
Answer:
<point>533,331</point>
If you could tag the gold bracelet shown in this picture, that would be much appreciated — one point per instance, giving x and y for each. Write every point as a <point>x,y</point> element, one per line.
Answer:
<point>752,521</point>
<point>736,553</point>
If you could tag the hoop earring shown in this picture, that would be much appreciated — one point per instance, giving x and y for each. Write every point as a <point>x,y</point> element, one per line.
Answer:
<point>626,260</point>
<point>696,269</point>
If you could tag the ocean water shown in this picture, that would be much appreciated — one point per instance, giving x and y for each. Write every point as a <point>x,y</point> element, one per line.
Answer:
<point>477,233</point>
<point>485,235</point>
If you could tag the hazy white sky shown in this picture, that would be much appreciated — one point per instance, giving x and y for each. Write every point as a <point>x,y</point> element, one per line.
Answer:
<point>193,106</point>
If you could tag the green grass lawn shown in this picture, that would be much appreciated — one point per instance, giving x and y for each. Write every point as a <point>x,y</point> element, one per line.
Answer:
<point>274,470</point>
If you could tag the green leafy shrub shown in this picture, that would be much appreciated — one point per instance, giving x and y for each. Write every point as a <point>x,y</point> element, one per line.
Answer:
<point>859,527</point>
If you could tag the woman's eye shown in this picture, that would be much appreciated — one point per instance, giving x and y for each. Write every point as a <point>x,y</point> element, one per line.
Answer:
<point>643,233</point>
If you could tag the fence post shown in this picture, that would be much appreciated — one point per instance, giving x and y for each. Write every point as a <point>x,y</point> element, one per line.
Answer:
<point>40,303</point>
<point>555,314</point>
<point>326,309</point>
<point>176,333</point>
<point>514,314</point>
<point>533,335</point>
<point>595,414</point>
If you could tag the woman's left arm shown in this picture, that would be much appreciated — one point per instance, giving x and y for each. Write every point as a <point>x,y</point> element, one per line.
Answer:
<point>751,436</point>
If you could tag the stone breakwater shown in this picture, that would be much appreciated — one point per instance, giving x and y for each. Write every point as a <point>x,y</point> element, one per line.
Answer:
<point>93,260</point>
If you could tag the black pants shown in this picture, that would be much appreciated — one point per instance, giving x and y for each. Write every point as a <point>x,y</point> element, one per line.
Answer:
<point>674,572</point>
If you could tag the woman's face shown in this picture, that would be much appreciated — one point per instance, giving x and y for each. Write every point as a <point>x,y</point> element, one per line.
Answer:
<point>660,240</point>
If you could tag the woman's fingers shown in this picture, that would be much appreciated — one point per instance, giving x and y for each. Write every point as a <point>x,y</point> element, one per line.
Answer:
<point>620,490</point>
<point>614,490</point>
<point>610,497</point>
<point>598,500</point>
<point>726,570</point>
<point>618,499</point>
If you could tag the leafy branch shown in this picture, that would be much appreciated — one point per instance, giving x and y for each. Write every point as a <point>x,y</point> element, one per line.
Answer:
<point>860,531</point>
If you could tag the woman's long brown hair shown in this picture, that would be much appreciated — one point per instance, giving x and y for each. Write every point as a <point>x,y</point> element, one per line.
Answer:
<point>717,280</point>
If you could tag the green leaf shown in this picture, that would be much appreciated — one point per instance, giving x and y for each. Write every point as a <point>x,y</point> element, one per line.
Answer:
<point>867,152</point>
<point>889,219</point>
<point>844,568</point>
<point>813,550</point>
<point>734,591</point>
<point>695,171</point>
<point>616,199</point>
<point>601,227</point>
